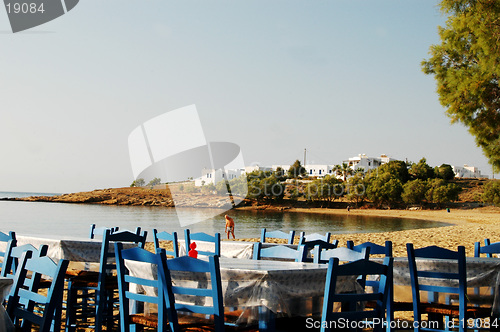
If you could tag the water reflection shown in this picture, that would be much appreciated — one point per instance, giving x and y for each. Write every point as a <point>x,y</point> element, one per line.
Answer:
<point>58,219</point>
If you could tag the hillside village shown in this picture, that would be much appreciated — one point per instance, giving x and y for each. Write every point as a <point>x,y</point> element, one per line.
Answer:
<point>359,163</point>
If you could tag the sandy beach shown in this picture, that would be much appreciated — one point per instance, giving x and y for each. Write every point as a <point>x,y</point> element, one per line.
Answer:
<point>466,226</point>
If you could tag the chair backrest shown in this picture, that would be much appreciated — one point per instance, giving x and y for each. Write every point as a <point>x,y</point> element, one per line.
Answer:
<point>425,276</point>
<point>315,236</point>
<point>193,237</point>
<point>6,238</point>
<point>164,236</point>
<point>48,301</point>
<point>203,296</point>
<point>489,248</point>
<point>350,301</point>
<point>375,249</point>
<point>107,260</point>
<point>100,230</point>
<point>14,254</point>
<point>279,252</point>
<point>316,246</point>
<point>142,289</point>
<point>264,234</point>
<point>342,253</point>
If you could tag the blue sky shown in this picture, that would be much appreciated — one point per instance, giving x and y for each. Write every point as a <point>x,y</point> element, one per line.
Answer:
<point>336,77</point>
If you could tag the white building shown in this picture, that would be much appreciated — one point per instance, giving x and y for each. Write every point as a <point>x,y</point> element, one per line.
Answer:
<point>367,163</point>
<point>467,172</point>
<point>319,170</point>
<point>211,176</point>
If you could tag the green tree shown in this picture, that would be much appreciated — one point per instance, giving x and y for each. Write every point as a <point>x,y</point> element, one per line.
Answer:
<point>385,188</point>
<point>444,172</point>
<point>421,170</point>
<point>491,192</point>
<point>396,168</point>
<point>264,186</point>
<point>343,170</point>
<point>356,189</point>
<point>325,189</point>
<point>441,192</point>
<point>296,170</point>
<point>154,182</point>
<point>466,66</point>
<point>414,191</point>
<point>279,173</point>
<point>138,183</point>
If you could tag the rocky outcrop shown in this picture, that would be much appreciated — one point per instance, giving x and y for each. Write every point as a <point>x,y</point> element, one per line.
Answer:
<point>134,197</point>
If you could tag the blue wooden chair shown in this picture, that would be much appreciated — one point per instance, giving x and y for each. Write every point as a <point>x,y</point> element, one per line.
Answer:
<point>25,300</point>
<point>164,236</point>
<point>132,290</point>
<point>489,248</point>
<point>386,250</point>
<point>375,249</point>
<point>424,280</point>
<point>100,230</point>
<point>193,237</point>
<point>100,286</point>
<point>342,253</point>
<point>350,302</point>
<point>5,238</point>
<point>315,236</point>
<point>264,234</point>
<point>14,254</point>
<point>197,292</point>
<point>279,252</point>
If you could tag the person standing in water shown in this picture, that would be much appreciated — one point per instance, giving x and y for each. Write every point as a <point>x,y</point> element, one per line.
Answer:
<point>229,226</point>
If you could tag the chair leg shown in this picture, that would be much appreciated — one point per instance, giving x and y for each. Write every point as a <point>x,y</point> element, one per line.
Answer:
<point>70,310</point>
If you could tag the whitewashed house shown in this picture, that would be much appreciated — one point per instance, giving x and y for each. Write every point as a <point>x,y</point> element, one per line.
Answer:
<point>467,172</point>
<point>319,170</point>
<point>367,163</point>
<point>211,176</point>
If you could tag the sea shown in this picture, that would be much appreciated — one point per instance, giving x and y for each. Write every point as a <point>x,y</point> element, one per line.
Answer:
<point>69,219</point>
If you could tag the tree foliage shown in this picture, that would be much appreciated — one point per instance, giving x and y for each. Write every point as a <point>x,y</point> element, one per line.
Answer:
<point>421,170</point>
<point>414,191</point>
<point>264,186</point>
<point>138,183</point>
<point>296,170</point>
<point>444,172</point>
<point>154,182</point>
<point>441,192</point>
<point>384,188</point>
<point>343,170</point>
<point>356,189</point>
<point>466,66</point>
<point>491,192</point>
<point>326,189</point>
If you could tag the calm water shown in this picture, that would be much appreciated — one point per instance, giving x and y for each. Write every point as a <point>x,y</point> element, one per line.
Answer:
<point>62,219</point>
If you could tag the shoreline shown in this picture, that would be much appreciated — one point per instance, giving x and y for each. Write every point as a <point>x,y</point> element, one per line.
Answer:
<point>466,226</point>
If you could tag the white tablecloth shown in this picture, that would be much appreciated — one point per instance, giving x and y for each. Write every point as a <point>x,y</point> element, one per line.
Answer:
<point>282,287</point>
<point>482,272</point>
<point>229,249</point>
<point>232,249</point>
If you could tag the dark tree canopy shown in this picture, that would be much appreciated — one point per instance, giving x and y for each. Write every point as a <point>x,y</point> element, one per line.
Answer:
<point>466,66</point>
<point>296,170</point>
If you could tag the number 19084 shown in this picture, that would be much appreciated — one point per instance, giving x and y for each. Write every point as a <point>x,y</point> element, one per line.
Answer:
<point>24,8</point>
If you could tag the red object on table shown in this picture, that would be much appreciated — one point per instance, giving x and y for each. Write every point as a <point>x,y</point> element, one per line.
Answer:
<point>192,252</point>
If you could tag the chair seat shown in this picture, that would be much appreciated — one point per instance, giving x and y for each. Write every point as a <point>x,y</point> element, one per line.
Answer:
<point>91,280</point>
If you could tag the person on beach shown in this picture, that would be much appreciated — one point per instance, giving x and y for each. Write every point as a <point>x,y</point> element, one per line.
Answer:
<point>229,226</point>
